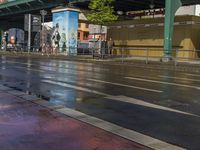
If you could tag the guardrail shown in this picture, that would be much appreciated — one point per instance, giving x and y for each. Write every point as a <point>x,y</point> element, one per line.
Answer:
<point>152,54</point>
<point>123,53</point>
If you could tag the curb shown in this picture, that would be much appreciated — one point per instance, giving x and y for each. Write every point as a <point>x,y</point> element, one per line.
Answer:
<point>127,134</point>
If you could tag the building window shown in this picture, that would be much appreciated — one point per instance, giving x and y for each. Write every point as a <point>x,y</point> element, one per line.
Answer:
<point>86,25</point>
<point>85,35</point>
<point>79,35</point>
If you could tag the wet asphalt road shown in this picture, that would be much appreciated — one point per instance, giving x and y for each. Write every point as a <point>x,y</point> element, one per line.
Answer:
<point>102,91</point>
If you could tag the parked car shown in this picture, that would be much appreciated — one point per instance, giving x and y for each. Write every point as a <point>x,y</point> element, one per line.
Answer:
<point>83,48</point>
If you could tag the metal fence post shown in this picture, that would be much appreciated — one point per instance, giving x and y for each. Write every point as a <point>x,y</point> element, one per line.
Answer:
<point>147,56</point>
<point>83,51</point>
<point>122,54</point>
<point>175,58</point>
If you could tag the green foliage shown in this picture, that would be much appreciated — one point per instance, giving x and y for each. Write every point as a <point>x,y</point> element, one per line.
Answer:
<point>101,12</point>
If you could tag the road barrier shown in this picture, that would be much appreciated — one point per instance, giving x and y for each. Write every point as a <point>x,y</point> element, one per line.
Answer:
<point>117,53</point>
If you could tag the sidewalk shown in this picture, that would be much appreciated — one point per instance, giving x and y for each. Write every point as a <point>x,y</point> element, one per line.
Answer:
<point>27,125</point>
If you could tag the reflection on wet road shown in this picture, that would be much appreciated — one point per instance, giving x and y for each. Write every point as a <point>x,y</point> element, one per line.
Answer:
<point>158,103</point>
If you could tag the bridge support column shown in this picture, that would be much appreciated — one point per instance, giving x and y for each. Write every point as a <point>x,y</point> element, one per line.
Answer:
<point>65,23</point>
<point>171,6</point>
<point>1,35</point>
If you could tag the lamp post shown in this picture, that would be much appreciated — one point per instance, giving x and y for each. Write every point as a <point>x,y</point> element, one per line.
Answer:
<point>29,32</point>
<point>94,41</point>
<point>119,12</point>
<point>43,14</point>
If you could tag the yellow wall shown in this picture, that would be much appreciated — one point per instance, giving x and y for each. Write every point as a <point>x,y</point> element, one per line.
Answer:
<point>83,27</point>
<point>186,37</point>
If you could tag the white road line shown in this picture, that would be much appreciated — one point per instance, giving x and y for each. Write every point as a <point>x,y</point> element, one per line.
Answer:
<point>124,85</point>
<point>47,68</point>
<point>118,98</point>
<point>146,104</point>
<point>120,131</point>
<point>29,69</point>
<point>184,79</point>
<point>75,87</point>
<point>162,82</point>
<point>195,75</point>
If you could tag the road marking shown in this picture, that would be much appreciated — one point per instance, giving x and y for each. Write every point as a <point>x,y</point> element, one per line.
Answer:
<point>110,127</point>
<point>195,75</point>
<point>120,131</point>
<point>131,135</point>
<point>49,68</point>
<point>4,88</point>
<point>30,69</point>
<point>184,79</point>
<point>146,104</point>
<point>75,87</point>
<point>124,85</point>
<point>118,98</point>
<point>163,82</point>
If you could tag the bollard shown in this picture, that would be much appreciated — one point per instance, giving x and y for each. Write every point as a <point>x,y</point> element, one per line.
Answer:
<point>123,55</point>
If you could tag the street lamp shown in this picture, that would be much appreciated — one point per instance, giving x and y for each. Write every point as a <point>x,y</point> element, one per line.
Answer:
<point>43,14</point>
<point>152,5</point>
<point>119,12</point>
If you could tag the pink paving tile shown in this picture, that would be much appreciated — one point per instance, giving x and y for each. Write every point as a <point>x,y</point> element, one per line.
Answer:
<point>27,126</point>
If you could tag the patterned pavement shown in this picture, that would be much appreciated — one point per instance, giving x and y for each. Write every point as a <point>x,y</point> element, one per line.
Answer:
<point>26,125</point>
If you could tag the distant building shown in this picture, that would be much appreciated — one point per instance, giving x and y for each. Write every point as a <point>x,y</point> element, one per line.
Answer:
<point>193,10</point>
<point>83,32</point>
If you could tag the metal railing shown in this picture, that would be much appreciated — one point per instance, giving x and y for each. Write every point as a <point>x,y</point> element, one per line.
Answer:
<point>116,53</point>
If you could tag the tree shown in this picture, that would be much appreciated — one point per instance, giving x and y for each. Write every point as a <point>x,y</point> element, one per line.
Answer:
<point>101,13</point>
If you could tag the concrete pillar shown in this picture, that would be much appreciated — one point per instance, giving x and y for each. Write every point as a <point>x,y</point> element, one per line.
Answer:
<point>65,24</point>
<point>171,6</point>
<point>1,34</point>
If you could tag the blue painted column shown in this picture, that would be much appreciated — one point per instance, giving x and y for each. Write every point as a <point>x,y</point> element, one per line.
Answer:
<point>171,6</point>
<point>65,24</point>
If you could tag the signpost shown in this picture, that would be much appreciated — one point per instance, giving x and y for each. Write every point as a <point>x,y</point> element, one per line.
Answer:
<point>32,23</point>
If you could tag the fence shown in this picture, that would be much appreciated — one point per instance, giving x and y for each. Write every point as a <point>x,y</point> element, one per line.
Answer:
<point>150,54</point>
<point>123,53</point>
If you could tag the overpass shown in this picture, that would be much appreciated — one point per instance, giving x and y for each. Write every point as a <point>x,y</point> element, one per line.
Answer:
<point>13,12</point>
<point>133,5</point>
<point>9,10</point>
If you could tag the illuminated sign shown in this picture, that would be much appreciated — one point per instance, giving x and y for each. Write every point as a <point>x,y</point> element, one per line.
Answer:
<point>142,13</point>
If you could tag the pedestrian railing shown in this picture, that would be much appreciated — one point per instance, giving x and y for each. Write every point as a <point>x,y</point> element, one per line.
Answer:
<point>116,53</point>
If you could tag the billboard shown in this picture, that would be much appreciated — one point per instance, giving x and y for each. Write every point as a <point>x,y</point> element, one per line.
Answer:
<point>35,22</point>
<point>65,25</point>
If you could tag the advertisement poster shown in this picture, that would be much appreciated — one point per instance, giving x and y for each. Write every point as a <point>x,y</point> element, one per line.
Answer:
<point>65,26</point>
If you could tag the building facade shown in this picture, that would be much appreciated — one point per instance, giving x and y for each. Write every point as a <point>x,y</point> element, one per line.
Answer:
<point>83,32</point>
<point>141,35</point>
<point>193,10</point>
